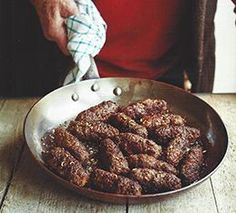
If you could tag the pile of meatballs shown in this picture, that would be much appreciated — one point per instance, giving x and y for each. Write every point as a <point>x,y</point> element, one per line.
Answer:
<point>141,148</point>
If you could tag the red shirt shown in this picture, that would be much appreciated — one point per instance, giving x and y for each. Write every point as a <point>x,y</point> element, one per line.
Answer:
<point>141,37</point>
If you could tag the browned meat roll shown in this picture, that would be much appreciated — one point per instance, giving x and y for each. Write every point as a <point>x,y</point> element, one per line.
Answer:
<point>126,124</point>
<point>100,112</point>
<point>190,169</point>
<point>147,161</point>
<point>176,150</point>
<point>104,181</point>
<point>127,186</point>
<point>112,158</point>
<point>154,181</point>
<point>164,134</point>
<point>134,144</point>
<point>66,140</point>
<point>65,165</point>
<point>154,121</point>
<point>92,131</point>
<point>109,182</point>
<point>142,108</point>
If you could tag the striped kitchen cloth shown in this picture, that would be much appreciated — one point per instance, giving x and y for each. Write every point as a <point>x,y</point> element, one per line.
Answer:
<point>86,37</point>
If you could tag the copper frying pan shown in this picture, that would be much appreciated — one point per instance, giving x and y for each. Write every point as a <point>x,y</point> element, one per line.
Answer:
<point>65,103</point>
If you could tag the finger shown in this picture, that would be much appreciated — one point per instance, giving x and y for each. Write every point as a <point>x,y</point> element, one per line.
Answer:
<point>68,8</point>
<point>61,37</point>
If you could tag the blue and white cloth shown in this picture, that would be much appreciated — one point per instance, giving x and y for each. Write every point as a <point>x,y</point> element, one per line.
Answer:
<point>86,37</point>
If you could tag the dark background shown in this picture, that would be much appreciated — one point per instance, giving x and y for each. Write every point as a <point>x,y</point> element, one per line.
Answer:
<point>32,66</point>
<point>29,64</point>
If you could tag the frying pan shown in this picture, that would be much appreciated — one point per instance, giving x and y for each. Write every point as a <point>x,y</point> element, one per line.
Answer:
<point>65,103</point>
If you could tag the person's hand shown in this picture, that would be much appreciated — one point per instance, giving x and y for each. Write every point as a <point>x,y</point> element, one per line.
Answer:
<point>52,14</point>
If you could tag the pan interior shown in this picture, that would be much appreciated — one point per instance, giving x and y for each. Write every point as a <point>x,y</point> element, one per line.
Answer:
<point>65,103</point>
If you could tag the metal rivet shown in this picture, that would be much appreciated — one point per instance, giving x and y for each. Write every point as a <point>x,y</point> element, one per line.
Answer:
<point>117,91</point>
<point>75,97</point>
<point>95,87</point>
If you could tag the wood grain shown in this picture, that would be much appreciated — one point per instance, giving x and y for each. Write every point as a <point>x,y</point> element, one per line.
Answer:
<point>197,199</point>
<point>12,113</point>
<point>224,180</point>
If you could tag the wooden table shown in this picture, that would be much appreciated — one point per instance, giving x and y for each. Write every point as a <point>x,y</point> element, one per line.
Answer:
<point>24,187</point>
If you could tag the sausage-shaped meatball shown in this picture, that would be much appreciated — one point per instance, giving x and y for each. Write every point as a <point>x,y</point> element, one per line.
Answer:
<point>92,131</point>
<point>147,161</point>
<point>109,182</point>
<point>154,181</point>
<point>146,107</point>
<point>104,181</point>
<point>112,158</point>
<point>164,134</point>
<point>154,121</point>
<point>126,124</point>
<point>127,186</point>
<point>66,140</point>
<point>134,144</point>
<point>65,165</point>
<point>176,150</point>
<point>190,169</point>
<point>100,112</point>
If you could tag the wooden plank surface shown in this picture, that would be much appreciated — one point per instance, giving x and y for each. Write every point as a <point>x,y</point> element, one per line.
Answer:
<point>12,113</point>
<point>195,200</point>
<point>224,180</point>
<point>25,187</point>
